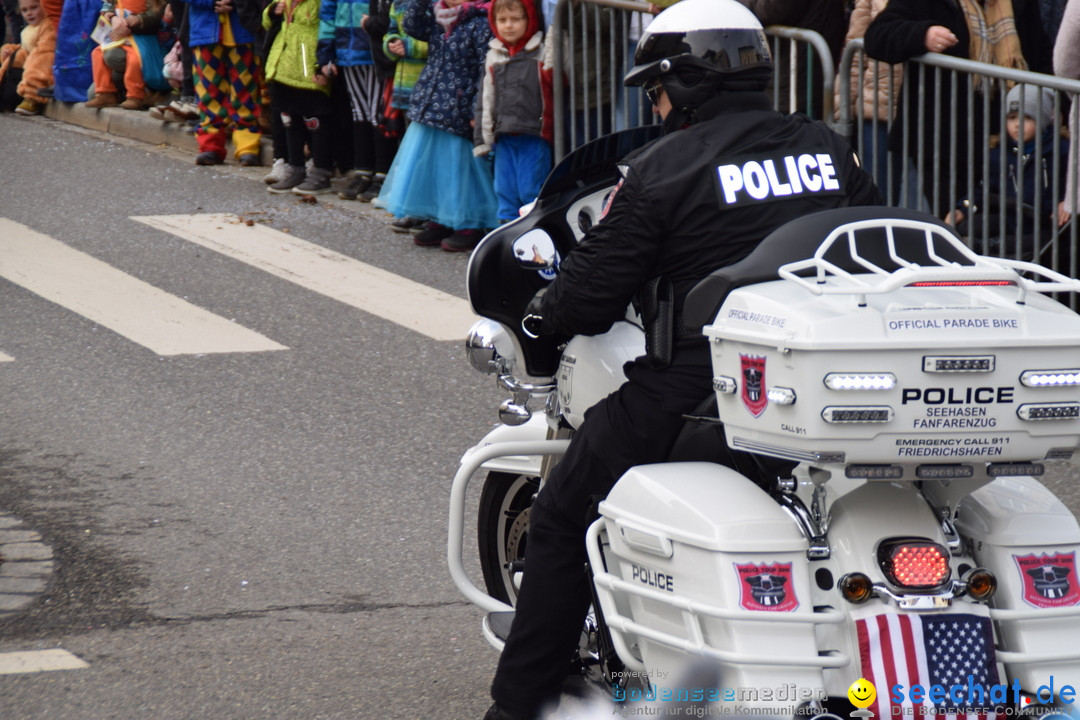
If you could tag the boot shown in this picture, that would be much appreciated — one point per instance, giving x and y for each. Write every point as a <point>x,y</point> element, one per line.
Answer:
<point>103,100</point>
<point>360,183</point>
<point>29,107</point>
<point>131,103</point>
<point>317,183</point>
<point>294,175</point>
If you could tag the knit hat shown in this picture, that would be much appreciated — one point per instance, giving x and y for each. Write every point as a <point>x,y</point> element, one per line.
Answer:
<point>1038,103</point>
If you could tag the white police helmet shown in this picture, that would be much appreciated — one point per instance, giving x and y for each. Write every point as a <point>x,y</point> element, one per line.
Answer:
<point>697,47</point>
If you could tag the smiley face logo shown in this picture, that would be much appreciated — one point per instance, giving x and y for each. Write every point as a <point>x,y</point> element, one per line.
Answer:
<point>862,693</point>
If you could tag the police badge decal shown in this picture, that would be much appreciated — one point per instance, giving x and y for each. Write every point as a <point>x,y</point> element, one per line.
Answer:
<point>766,586</point>
<point>753,383</point>
<point>1049,580</point>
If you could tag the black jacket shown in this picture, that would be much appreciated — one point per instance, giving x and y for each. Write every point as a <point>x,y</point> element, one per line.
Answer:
<point>679,212</point>
<point>899,34</point>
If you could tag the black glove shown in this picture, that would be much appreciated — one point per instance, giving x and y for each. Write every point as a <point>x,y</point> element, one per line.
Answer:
<point>534,316</point>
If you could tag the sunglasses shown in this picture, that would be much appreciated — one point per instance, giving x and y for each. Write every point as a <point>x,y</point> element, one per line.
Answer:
<point>653,90</point>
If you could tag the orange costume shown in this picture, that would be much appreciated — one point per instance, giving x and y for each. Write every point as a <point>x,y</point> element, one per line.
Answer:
<point>35,56</point>
<point>134,83</point>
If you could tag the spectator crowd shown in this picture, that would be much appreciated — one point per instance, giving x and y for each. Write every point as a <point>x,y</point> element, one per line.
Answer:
<point>441,111</point>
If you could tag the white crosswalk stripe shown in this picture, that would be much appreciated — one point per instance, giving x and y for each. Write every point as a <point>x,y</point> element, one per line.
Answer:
<point>35,661</point>
<point>436,314</point>
<point>164,323</point>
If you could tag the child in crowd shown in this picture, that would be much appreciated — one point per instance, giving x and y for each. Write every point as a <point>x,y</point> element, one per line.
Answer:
<point>1025,172</point>
<point>26,68</point>
<point>301,94</point>
<point>134,38</point>
<point>410,54</point>
<point>346,47</point>
<point>435,175</point>
<point>221,35</point>
<point>514,108</point>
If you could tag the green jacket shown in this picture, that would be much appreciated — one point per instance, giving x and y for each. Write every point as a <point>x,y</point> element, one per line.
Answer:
<point>408,67</point>
<point>291,60</point>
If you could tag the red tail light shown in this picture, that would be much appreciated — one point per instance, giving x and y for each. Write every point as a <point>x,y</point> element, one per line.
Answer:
<point>914,563</point>
<point>961,283</point>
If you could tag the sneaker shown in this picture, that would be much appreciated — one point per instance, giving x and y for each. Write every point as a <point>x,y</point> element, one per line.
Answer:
<point>158,112</point>
<point>372,192</point>
<point>462,241</point>
<point>181,111</point>
<point>360,183</point>
<point>103,100</point>
<point>29,107</point>
<point>432,234</point>
<point>133,103</point>
<point>208,158</point>
<point>316,183</point>
<point>406,224</point>
<point>277,171</point>
<point>293,176</point>
<point>250,160</point>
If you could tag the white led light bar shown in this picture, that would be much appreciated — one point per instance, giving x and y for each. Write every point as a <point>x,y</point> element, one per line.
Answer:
<point>875,472</point>
<point>940,472</point>
<point>860,381</point>
<point>724,384</point>
<point>958,363</point>
<point>1015,469</point>
<point>781,395</point>
<point>1049,411</point>
<point>1050,378</point>
<point>858,414</point>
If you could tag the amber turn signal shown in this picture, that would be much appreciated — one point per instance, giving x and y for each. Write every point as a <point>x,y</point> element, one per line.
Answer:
<point>981,583</point>
<point>856,588</point>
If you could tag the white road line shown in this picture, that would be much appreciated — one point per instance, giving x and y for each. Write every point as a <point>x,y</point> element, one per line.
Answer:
<point>34,661</point>
<point>126,305</point>
<point>438,315</point>
<point>4,357</point>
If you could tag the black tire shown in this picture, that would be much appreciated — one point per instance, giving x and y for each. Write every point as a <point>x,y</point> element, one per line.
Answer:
<point>503,529</point>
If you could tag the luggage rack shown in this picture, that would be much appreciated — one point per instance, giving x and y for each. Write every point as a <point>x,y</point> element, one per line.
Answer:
<point>828,278</point>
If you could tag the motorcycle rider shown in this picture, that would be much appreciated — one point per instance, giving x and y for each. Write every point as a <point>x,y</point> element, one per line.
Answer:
<point>727,171</point>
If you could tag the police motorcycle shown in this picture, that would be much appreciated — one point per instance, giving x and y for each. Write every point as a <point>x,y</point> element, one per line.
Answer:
<point>864,477</point>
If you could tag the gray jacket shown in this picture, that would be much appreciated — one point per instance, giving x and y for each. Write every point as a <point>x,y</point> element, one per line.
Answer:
<point>515,94</point>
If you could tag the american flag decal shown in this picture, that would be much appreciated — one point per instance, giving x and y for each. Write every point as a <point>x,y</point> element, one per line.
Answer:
<point>928,650</point>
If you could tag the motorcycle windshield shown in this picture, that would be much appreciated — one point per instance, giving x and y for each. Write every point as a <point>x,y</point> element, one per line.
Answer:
<point>596,160</point>
<point>501,283</point>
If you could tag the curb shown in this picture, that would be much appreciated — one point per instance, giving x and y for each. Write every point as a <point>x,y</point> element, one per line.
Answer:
<point>26,565</point>
<point>132,124</point>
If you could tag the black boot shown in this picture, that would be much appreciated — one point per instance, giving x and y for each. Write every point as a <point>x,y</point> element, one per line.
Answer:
<point>360,183</point>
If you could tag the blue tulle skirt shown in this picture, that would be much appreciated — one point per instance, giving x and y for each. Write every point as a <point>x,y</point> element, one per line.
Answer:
<point>435,176</point>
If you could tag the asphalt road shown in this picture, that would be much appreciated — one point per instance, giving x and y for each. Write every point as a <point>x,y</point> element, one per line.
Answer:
<point>240,535</point>
<point>243,535</point>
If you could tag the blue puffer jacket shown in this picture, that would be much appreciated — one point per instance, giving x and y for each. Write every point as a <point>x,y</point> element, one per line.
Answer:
<point>204,27</point>
<point>342,40</point>
<point>445,93</point>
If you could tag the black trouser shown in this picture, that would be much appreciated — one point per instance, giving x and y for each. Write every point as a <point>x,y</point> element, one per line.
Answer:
<point>636,424</point>
<point>307,116</point>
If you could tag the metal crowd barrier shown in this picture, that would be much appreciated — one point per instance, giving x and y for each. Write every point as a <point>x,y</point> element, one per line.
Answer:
<point>594,43</point>
<point>950,138</point>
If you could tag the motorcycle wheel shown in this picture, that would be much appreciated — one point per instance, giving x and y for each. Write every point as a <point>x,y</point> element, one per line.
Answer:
<point>503,530</point>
